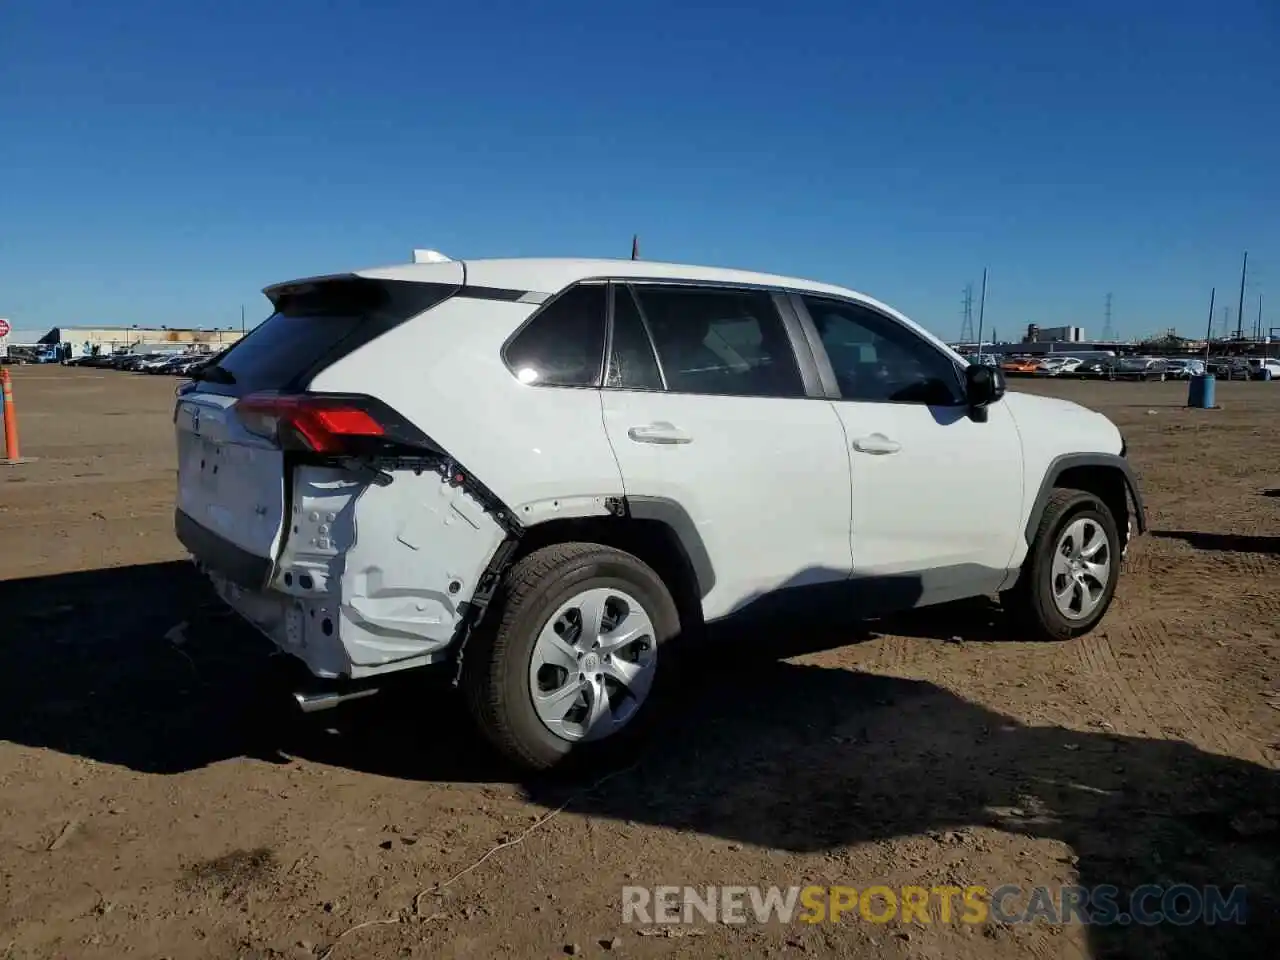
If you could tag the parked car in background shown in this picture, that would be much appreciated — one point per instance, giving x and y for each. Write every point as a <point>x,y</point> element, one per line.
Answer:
<point>1264,368</point>
<point>190,365</point>
<point>1096,367</point>
<point>1020,366</point>
<point>1058,366</point>
<point>1140,368</point>
<point>1230,368</point>
<point>156,362</point>
<point>1184,368</point>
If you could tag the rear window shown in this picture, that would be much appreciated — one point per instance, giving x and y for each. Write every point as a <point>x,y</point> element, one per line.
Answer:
<point>313,326</point>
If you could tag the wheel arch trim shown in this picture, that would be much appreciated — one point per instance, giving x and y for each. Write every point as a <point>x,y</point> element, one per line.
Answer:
<point>672,515</point>
<point>1061,464</point>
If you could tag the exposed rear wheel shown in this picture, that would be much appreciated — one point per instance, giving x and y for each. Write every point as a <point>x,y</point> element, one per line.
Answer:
<point>569,661</point>
<point>1069,577</point>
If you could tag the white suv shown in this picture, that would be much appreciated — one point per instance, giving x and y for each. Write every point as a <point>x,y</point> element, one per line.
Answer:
<point>541,471</point>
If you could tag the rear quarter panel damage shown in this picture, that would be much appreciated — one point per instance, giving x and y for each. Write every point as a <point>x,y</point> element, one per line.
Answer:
<point>395,564</point>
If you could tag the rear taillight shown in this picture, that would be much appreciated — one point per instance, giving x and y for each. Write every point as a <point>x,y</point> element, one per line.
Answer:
<point>327,424</point>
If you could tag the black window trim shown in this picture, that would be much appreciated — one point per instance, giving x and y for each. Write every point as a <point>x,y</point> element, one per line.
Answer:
<point>602,372</point>
<point>621,288</point>
<point>823,360</point>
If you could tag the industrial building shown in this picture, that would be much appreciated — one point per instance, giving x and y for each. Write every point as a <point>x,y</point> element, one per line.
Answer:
<point>1038,334</point>
<point>83,341</point>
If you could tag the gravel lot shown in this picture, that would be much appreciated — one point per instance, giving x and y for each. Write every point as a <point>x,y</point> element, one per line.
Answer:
<point>157,799</point>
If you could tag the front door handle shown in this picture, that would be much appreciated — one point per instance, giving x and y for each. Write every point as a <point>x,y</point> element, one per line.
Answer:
<point>877,443</point>
<point>660,432</point>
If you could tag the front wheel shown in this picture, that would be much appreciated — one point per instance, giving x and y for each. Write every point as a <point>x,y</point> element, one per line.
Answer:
<point>570,662</point>
<point>1069,576</point>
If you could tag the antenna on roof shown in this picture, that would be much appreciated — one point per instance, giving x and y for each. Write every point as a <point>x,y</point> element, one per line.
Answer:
<point>635,246</point>
<point>430,256</point>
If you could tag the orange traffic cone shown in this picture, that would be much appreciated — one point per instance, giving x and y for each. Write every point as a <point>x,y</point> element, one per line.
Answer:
<point>11,453</point>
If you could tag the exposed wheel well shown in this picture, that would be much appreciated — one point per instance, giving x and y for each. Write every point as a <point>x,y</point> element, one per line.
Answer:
<point>1106,483</point>
<point>651,540</point>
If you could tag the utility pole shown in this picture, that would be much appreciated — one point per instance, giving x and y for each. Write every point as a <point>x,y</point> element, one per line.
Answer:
<point>1107,332</point>
<point>1240,310</point>
<point>982,309</point>
<point>635,246</point>
<point>1208,334</point>
<point>966,325</point>
<point>1258,328</point>
<point>242,319</point>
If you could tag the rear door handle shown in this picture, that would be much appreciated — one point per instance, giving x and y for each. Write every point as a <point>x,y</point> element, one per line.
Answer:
<point>877,443</point>
<point>660,432</point>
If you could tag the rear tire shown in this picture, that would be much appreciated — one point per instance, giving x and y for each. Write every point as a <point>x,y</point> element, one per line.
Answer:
<point>545,687</point>
<point>1069,577</point>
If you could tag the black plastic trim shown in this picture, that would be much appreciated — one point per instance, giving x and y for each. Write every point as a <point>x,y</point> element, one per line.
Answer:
<point>677,518</point>
<point>620,289</point>
<point>1069,461</point>
<point>821,361</point>
<point>493,293</point>
<point>220,554</point>
<point>802,347</point>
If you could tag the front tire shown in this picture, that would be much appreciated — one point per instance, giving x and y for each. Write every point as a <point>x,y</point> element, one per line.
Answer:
<point>1073,565</point>
<point>568,662</point>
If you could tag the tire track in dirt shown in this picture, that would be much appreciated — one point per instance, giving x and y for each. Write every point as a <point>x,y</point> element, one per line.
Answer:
<point>1155,653</point>
<point>1098,659</point>
<point>1147,693</point>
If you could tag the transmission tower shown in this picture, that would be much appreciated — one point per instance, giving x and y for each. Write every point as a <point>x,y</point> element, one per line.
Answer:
<point>1107,332</point>
<point>1226,323</point>
<point>966,325</point>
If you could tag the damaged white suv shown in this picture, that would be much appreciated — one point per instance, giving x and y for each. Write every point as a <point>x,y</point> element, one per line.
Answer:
<point>541,471</point>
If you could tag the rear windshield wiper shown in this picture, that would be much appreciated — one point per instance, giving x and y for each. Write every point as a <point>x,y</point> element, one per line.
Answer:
<point>214,373</point>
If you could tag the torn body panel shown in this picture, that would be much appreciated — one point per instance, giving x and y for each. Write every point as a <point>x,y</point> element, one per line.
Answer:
<point>372,578</point>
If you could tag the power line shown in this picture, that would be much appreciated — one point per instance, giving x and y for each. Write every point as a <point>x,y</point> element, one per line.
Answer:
<point>1107,332</point>
<point>966,324</point>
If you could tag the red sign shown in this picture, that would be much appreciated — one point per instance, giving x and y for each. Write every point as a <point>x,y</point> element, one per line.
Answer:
<point>4,328</point>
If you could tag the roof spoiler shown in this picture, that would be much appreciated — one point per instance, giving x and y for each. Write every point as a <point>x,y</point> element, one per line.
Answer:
<point>430,256</point>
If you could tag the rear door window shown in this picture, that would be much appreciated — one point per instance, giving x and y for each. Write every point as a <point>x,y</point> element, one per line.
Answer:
<point>723,341</point>
<point>314,325</point>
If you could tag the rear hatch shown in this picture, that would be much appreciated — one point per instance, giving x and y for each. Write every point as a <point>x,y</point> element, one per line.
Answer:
<point>249,418</point>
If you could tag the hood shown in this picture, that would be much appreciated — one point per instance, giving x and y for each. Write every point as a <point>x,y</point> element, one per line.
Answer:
<point>1077,427</point>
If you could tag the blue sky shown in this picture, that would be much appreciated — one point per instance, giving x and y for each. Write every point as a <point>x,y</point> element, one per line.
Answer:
<point>161,162</point>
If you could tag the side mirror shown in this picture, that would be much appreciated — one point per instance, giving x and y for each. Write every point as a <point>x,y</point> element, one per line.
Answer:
<point>983,386</point>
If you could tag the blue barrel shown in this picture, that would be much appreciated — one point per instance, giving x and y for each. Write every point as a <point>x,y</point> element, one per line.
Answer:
<point>1200,393</point>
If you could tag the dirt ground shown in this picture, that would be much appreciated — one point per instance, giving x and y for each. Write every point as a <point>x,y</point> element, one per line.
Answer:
<point>157,799</point>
